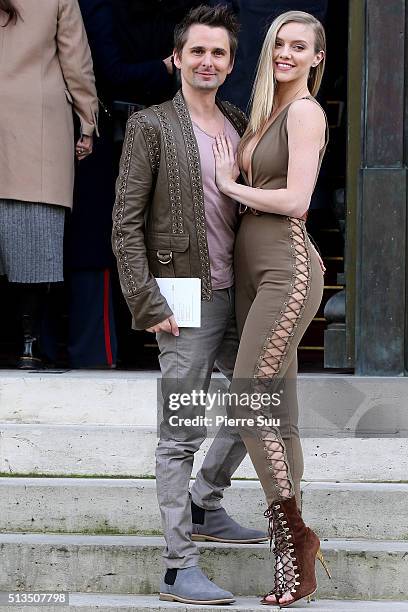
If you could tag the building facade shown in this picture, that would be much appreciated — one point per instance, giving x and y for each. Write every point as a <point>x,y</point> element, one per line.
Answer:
<point>368,323</point>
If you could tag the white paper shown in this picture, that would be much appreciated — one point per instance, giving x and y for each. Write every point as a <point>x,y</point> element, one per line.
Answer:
<point>183,295</point>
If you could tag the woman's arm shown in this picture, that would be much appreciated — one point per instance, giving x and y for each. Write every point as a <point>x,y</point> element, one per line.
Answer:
<point>306,128</point>
<point>76,64</point>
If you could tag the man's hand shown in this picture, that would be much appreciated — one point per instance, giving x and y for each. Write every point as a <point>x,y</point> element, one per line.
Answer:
<point>168,63</point>
<point>84,147</point>
<point>168,325</point>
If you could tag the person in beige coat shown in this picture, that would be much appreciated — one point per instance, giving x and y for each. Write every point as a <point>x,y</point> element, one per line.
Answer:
<point>46,73</point>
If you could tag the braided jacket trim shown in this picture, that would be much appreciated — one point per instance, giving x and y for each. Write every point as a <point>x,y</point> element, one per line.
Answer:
<point>121,254</point>
<point>194,165</point>
<point>235,115</point>
<point>152,140</point>
<point>173,172</point>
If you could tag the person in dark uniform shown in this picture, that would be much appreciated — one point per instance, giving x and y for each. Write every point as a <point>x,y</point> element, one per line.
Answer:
<point>131,43</point>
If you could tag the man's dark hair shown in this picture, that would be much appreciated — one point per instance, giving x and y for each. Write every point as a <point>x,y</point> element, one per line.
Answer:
<point>214,16</point>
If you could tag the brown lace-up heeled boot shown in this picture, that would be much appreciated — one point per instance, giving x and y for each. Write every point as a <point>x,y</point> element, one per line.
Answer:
<point>296,548</point>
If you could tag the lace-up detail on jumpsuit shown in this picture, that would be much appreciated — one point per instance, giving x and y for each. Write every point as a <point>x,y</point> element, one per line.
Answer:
<point>275,350</point>
<point>269,366</point>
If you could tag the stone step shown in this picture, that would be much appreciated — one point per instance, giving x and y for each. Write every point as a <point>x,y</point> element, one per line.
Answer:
<point>132,564</point>
<point>127,450</point>
<point>332,404</point>
<point>91,602</point>
<point>129,506</point>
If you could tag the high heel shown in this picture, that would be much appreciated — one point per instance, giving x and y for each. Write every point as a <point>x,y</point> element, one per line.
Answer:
<point>319,555</point>
<point>296,549</point>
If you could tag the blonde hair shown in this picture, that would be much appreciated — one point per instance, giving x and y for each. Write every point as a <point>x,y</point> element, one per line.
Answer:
<point>263,92</point>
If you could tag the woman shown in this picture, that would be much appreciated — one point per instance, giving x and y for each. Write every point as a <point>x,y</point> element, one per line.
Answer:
<point>45,72</point>
<point>279,275</point>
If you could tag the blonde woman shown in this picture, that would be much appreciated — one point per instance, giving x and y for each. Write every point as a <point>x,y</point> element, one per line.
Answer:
<point>279,275</point>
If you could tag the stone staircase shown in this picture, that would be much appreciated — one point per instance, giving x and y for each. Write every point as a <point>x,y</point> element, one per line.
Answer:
<point>78,510</point>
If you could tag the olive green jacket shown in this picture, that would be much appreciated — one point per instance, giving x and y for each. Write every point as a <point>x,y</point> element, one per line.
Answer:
<point>159,226</point>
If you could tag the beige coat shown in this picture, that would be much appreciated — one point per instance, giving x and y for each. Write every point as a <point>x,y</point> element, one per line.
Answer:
<point>45,72</point>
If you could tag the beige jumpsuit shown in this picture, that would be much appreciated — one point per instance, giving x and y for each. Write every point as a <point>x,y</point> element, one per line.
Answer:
<point>279,285</point>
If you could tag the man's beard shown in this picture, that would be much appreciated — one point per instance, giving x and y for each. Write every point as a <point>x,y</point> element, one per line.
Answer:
<point>199,83</point>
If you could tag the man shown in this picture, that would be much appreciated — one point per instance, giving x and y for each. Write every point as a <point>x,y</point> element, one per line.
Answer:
<point>171,220</point>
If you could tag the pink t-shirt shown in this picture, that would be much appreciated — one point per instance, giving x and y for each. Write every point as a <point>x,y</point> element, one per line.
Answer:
<point>221,212</point>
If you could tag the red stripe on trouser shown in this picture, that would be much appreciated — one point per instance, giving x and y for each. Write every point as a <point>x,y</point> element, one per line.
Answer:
<point>106,322</point>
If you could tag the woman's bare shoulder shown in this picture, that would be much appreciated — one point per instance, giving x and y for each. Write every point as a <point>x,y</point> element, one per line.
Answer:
<point>306,119</point>
<point>307,111</point>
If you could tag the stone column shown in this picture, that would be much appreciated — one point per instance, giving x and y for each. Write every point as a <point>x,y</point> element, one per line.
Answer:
<point>381,219</point>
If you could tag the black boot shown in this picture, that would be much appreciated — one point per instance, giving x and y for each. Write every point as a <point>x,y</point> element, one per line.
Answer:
<point>31,300</point>
<point>30,358</point>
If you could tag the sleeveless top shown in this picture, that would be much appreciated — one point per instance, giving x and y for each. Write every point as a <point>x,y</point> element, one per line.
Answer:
<point>270,158</point>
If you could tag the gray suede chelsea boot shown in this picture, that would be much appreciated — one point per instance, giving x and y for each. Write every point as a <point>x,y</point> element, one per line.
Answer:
<point>218,526</point>
<point>191,586</point>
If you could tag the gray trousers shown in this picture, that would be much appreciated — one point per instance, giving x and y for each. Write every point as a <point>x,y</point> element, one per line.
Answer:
<point>186,363</point>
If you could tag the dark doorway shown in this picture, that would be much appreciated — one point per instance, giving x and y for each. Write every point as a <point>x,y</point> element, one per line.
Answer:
<point>326,221</point>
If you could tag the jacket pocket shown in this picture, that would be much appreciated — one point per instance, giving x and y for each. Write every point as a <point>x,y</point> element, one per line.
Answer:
<point>168,254</point>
